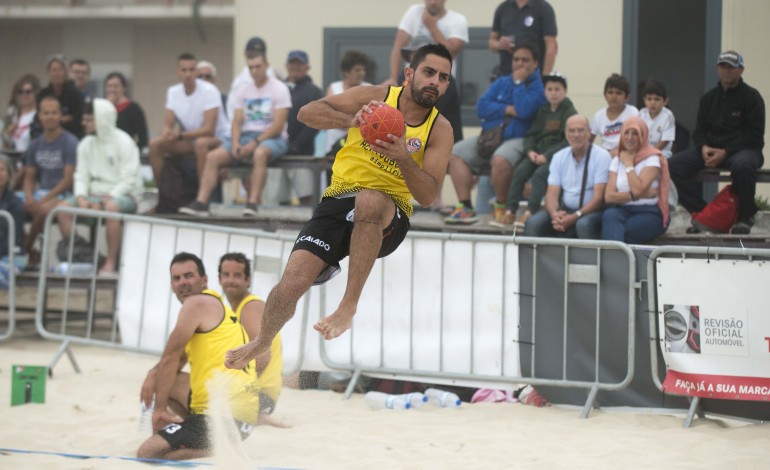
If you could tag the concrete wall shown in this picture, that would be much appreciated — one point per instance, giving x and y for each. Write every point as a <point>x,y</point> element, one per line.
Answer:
<point>744,28</point>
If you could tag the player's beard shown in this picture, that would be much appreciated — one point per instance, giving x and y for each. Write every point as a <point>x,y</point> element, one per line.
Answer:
<point>424,100</point>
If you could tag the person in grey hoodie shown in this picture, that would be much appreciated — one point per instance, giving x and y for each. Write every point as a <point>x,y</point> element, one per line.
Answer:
<point>107,175</point>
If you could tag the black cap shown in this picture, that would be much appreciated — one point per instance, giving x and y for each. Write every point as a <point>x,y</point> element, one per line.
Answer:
<point>256,44</point>
<point>298,55</point>
<point>731,58</point>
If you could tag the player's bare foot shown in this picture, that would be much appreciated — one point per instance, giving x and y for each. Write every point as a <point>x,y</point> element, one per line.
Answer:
<point>335,324</point>
<point>237,358</point>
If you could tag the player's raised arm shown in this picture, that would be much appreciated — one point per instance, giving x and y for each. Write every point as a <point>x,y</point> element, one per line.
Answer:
<point>339,111</point>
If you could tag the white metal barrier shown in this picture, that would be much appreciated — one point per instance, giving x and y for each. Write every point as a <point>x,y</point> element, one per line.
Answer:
<point>143,307</point>
<point>443,308</point>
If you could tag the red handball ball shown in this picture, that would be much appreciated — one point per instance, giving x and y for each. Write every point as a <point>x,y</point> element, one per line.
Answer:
<point>382,121</point>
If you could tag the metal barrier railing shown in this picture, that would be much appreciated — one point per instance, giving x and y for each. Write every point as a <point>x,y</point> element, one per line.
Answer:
<point>443,307</point>
<point>10,324</point>
<point>147,248</point>
<point>685,252</point>
<point>373,358</point>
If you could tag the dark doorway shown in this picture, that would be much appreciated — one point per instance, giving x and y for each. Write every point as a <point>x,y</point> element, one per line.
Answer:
<point>676,42</point>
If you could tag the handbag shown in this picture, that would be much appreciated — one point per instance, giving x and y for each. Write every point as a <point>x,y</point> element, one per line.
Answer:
<point>490,139</point>
<point>721,213</point>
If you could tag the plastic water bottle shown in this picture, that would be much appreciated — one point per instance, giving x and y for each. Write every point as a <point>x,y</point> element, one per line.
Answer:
<point>415,399</point>
<point>443,398</point>
<point>379,400</point>
<point>145,418</point>
<point>73,269</point>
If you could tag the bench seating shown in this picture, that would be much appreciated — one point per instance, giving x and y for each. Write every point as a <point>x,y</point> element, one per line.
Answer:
<point>722,174</point>
<point>317,165</point>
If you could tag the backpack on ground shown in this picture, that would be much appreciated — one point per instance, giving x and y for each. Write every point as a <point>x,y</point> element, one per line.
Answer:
<point>178,185</point>
<point>721,213</point>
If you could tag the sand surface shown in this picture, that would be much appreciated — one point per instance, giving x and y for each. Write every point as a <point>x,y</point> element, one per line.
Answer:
<point>96,413</point>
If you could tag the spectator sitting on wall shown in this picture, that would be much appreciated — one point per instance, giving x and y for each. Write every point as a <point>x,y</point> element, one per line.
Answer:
<point>80,74</point>
<point>729,133</point>
<point>607,122</point>
<point>49,165</point>
<point>131,118</point>
<point>107,176</point>
<point>544,138</point>
<point>20,113</point>
<point>577,178</point>
<point>70,98</point>
<point>353,66</point>
<point>258,132</point>
<point>637,188</point>
<point>193,110</point>
<point>301,137</point>
<point>10,203</point>
<point>513,101</point>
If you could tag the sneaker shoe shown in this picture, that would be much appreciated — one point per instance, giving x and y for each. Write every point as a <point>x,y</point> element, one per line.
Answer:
<point>196,208</point>
<point>505,221</point>
<point>743,226</point>
<point>698,227</point>
<point>521,221</point>
<point>250,210</point>
<point>461,216</point>
<point>529,396</point>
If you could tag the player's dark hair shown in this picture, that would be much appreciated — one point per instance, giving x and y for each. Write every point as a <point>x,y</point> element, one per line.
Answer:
<point>183,256</point>
<point>655,87</point>
<point>619,82</point>
<point>238,258</point>
<point>423,52</point>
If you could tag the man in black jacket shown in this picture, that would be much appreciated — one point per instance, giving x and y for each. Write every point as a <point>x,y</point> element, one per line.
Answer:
<point>729,133</point>
<point>301,137</point>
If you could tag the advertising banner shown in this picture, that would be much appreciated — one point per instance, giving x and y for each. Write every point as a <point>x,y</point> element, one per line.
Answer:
<point>714,327</point>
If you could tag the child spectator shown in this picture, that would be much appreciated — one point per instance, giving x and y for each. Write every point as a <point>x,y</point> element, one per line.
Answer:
<point>544,138</point>
<point>607,122</point>
<point>659,119</point>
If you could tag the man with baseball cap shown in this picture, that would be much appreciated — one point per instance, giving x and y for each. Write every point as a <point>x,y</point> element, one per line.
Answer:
<point>729,133</point>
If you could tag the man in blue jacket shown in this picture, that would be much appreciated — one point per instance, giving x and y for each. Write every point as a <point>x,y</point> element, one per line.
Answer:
<point>512,101</point>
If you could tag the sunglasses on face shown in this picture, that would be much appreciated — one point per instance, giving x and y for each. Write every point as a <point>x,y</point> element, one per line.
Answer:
<point>205,76</point>
<point>25,91</point>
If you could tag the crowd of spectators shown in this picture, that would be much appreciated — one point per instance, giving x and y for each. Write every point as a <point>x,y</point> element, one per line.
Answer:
<point>255,123</point>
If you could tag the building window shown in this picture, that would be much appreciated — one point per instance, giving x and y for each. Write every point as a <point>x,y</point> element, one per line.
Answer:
<point>474,65</point>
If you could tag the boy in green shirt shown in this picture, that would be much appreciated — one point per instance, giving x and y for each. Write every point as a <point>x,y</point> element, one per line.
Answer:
<point>544,138</point>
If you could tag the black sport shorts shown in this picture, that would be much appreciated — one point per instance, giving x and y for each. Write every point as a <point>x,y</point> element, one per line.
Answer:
<point>193,433</point>
<point>327,233</point>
